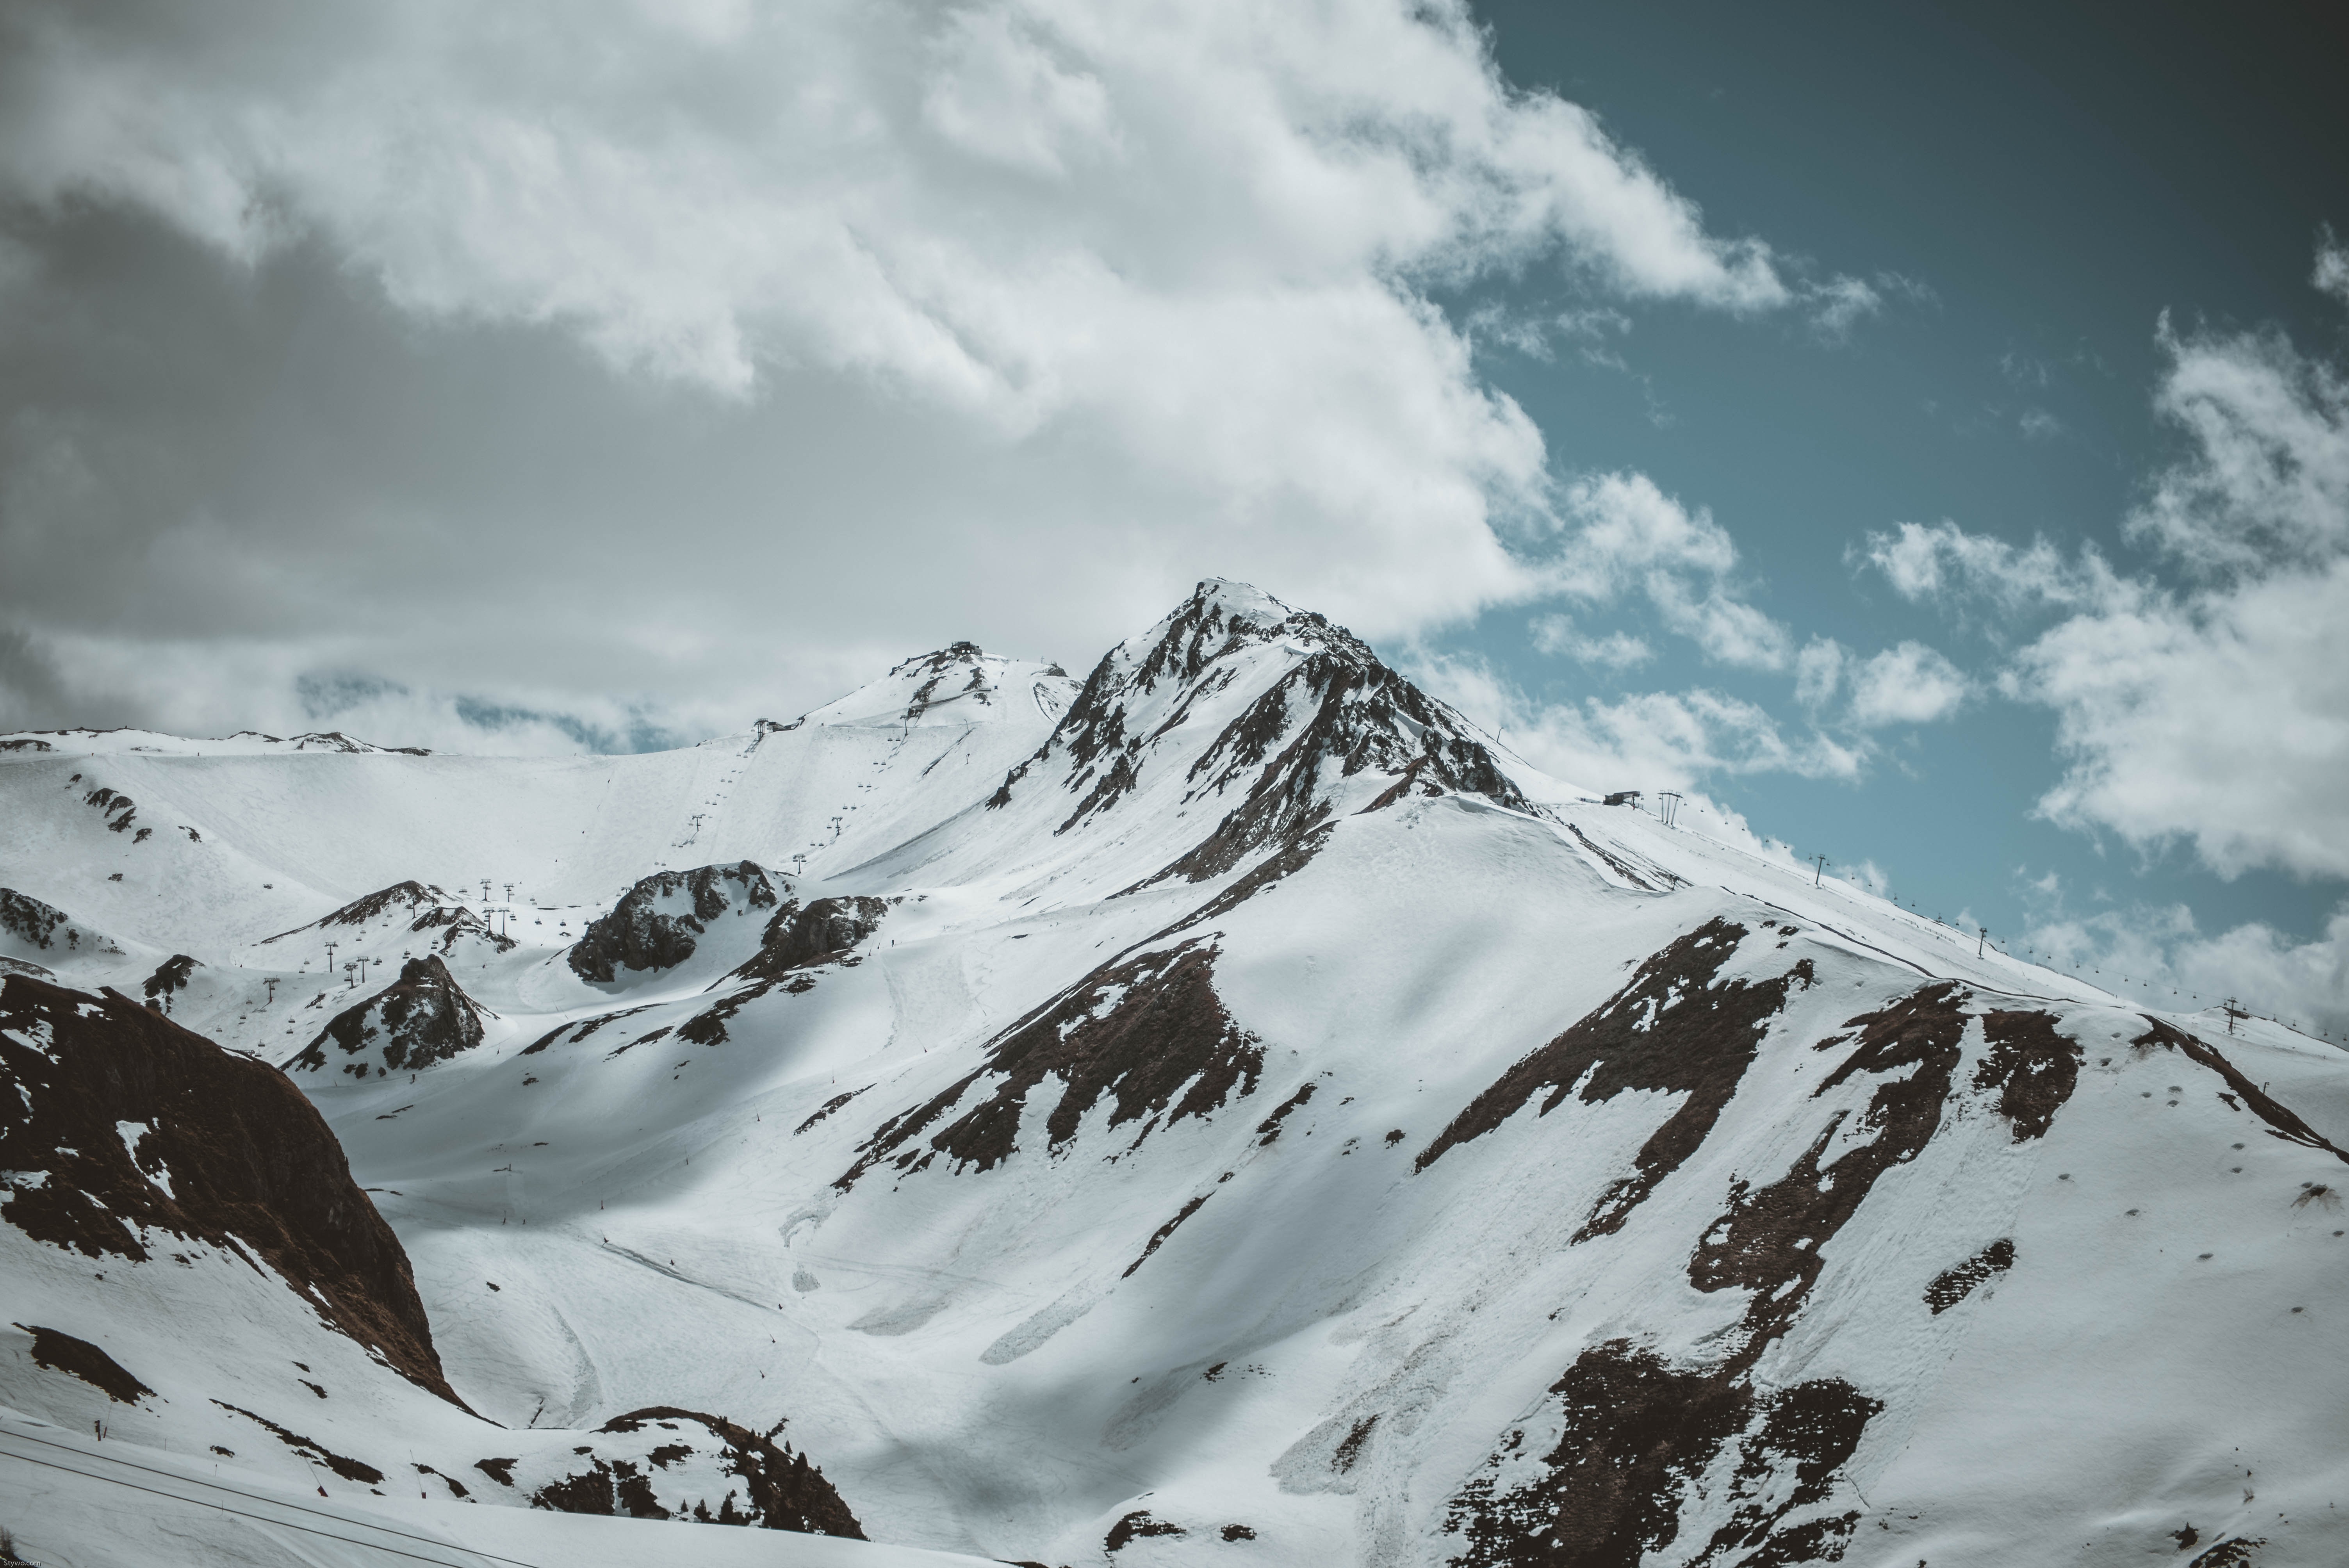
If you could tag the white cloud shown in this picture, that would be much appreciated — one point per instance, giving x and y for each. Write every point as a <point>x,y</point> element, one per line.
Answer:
<point>1818,672</point>
<point>706,198</point>
<point>1556,635</point>
<point>2332,271</point>
<point>1729,630</point>
<point>2222,719</point>
<point>2216,712</point>
<point>993,316</point>
<point>1841,304</point>
<point>2023,369</point>
<point>1625,533</point>
<point>1911,684</point>
<point>2159,954</point>
<point>1654,740</point>
<point>2221,716</point>
<point>2039,425</point>
<point>1943,562</point>
<point>1594,323</point>
<point>2266,484</point>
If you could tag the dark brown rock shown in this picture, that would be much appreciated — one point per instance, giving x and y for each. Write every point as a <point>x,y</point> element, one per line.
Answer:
<point>1139,1031</point>
<point>1770,1239</point>
<point>803,936</point>
<point>2282,1121</point>
<point>61,1352</point>
<point>422,1017</point>
<point>171,977</point>
<point>779,1489</point>
<point>251,1165</point>
<point>648,929</point>
<point>1953,1284</point>
<point>1638,1433</point>
<point>2034,1068</point>
<point>1671,1029</point>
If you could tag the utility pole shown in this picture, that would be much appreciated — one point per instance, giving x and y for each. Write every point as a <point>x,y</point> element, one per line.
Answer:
<point>1822,870</point>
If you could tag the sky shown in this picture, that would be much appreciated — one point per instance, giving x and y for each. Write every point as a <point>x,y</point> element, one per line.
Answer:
<point>1919,433</point>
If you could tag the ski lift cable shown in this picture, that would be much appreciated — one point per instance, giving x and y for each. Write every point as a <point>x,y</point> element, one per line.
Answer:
<point>253,1497</point>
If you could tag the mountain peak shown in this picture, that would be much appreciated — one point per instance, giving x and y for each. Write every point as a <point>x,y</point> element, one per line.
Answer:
<point>959,684</point>
<point>1274,720</point>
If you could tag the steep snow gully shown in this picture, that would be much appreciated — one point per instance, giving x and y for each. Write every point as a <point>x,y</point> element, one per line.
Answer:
<point>1225,1109</point>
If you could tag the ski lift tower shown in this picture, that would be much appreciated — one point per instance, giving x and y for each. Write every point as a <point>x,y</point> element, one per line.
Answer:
<point>1668,807</point>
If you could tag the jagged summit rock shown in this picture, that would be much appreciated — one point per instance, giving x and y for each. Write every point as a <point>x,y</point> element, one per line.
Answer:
<point>1270,721</point>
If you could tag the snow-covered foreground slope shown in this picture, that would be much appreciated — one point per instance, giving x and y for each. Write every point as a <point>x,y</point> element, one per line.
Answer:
<point>1226,1111</point>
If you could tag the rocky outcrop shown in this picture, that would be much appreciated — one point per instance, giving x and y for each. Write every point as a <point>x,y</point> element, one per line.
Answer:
<point>172,977</point>
<point>655,924</point>
<point>117,1126</point>
<point>802,936</point>
<point>422,1017</point>
<point>1149,1034</point>
<point>381,906</point>
<point>32,922</point>
<point>667,1463</point>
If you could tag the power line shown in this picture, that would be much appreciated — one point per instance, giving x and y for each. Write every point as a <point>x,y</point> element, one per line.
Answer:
<point>251,1497</point>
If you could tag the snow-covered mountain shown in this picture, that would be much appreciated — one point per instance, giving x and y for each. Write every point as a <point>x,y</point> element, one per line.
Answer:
<point>1226,1109</point>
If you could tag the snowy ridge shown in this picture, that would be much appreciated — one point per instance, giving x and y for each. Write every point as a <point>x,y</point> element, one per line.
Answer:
<point>1232,1112</point>
<point>244,743</point>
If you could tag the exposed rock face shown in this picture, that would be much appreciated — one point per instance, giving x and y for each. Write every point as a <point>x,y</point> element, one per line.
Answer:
<point>32,922</point>
<point>1672,1028</point>
<point>1333,714</point>
<point>61,1352</point>
<point>118,1124</point>
<point>1770,1237</point>
<point>802,936</point>
<point>422,1017</point>
<point>2282,1121</point>
<point>668,1464</point>
<point>2034,1068</point>
<point>397,899</point>
<point>1953,1285</point>
<point>171,977</point>
<point>1149,1033</point>
<point>1640,1434</point>
<point>424,907</point>
<point>955,672</point>
<point>654,924</point>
